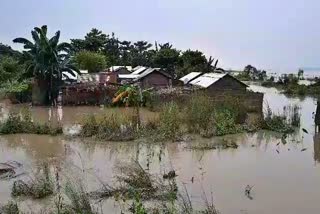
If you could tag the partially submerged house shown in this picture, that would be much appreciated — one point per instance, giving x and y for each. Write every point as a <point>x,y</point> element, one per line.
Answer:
<point>214,82</point>
<point>147,78</point>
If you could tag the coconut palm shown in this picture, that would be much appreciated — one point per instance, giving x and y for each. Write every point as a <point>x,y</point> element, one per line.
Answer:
<point>46,59</point>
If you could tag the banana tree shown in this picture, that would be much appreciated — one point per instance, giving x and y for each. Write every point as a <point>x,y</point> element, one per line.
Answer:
<point>46,59</point>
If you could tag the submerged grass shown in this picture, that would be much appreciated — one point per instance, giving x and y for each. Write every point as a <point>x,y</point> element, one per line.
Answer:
<point>111,127</point>
<point>10,208</point>
<point>285,122</point>
<point>134,180</point>
<point>40,185</point>
<point>79,199</point>
<point>21,122</point>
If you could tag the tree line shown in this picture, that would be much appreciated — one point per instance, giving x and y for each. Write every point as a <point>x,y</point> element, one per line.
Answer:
<point>45,59</point>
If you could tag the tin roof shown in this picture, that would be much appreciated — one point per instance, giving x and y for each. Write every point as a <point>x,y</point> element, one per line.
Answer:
<point>207,79</point>
<point>128,76</point>
<point>189,77</point>
<point>139,70</point>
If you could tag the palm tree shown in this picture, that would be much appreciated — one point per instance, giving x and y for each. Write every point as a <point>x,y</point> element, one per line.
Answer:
<point>46,59</point>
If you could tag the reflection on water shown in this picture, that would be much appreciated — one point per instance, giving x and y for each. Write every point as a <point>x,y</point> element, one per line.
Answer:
<point>284,175</point>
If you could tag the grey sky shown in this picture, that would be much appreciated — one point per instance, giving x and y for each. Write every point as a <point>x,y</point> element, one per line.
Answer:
<point>270,34</point>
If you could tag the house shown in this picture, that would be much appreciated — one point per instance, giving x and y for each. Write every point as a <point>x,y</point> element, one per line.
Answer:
<point>147,78</point>
<point>138,70</point>
<point>154,78</point>
<point>214,81</point>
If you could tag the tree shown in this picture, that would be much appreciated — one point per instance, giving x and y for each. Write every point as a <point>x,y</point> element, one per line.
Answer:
<point>191,61</point>
<point>91,61</point>
<point>112,49</point>
<point>166,58</point>
<point>94,41</point>
<point>10,69</point>
<point>125,52</point>
<point>46,59</point>
<point>141,55</point>
<point>6,50</point>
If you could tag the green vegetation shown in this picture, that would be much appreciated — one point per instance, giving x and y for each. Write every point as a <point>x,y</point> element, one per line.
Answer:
<point>91,61</point>
<point>170,122</point>
<point>208,119</point>
<point>40,185</point>
<point>45,59</point>
<point>285,122</point>
<point>199,116</point>
<point>79,200</point>
<point>111,127</point>
<point>251,73</point>
<point>21,122</point>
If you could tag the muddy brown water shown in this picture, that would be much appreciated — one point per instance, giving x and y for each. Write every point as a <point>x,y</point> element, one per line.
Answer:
<point>285,179</point>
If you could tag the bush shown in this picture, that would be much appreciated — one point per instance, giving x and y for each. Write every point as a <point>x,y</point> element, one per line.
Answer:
<point>225,122</point>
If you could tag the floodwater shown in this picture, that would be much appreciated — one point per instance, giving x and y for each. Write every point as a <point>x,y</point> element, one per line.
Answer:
<point>285,179</point>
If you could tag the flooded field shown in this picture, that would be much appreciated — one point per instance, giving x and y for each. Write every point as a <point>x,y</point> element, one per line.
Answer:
<point>284,175</point>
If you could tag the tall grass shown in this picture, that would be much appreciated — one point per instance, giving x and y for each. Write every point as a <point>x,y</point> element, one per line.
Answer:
<point>111,127</point>
<point>207,118</point>
<point>79,199</point>
<point>170,122</point>
<point>40,185</point>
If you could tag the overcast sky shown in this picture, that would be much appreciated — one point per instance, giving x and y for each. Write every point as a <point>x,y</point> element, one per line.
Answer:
<point>281,35</point>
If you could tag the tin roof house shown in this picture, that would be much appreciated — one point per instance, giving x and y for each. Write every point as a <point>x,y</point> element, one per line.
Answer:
<point>214,81</point>
<point>147,78</point>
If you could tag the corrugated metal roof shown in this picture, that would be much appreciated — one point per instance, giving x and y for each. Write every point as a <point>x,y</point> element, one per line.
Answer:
<point>207,79</point>
<point>189,77</point>
<point>68,75</point>
<point>139,70</point>
<point>128,76</point>
<point>140,74</point>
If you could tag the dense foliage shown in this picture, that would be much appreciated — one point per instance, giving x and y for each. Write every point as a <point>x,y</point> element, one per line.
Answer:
<point>118,52</point>
<point>91,61</point>
<point>45,59</point>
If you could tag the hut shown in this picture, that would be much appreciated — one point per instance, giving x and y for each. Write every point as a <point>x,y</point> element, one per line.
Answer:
<point>147,78</point>
<point>214,82</point>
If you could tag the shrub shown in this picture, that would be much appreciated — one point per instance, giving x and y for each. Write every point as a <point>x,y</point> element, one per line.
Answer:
<point>225,122</point>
